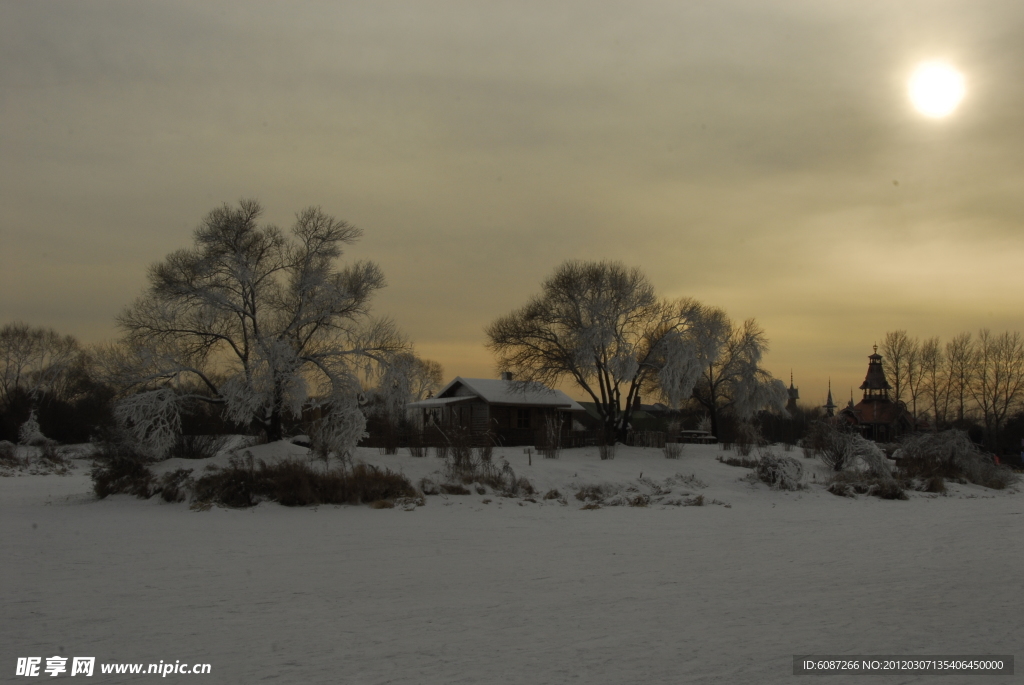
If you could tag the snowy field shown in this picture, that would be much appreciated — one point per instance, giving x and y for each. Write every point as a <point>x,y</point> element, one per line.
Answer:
<point>510,591</point>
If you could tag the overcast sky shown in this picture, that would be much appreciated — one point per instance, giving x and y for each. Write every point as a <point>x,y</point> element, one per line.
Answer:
<point>759,155</point>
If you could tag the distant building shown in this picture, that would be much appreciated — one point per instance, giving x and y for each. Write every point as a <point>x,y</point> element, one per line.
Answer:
<point>794,395</point>
<point>830,406</point>
<point>510,410</point>
<point>876,416</point>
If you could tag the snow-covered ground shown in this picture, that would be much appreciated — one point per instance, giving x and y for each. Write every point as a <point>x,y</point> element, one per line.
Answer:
<point>511,591</point>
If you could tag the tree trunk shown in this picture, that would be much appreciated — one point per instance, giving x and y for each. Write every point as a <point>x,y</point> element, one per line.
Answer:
<point>275,429</point>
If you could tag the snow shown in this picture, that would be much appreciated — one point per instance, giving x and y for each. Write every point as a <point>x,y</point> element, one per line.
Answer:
<point>459,591</point>
<point>499,391</point>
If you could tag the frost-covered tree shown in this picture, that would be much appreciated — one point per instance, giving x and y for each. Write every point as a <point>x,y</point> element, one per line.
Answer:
<point>29,432</point>
<point>600,325</point>
<point>256,321</point>
<point>731,379</point>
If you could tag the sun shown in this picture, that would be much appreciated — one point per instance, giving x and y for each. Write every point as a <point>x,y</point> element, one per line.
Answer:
<point>936,89</point>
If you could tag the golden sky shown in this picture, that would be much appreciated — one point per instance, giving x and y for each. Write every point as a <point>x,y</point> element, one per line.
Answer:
<point>760,155</point>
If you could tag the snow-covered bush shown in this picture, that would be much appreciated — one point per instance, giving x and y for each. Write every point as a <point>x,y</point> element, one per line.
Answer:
<point>839,447</point>
<point>784,473</point>
<point>951,454</point>
<point>30,434</point>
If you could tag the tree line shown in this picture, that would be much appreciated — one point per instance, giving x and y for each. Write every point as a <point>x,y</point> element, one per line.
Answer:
<point>261,330</point>
<point>967,379</point>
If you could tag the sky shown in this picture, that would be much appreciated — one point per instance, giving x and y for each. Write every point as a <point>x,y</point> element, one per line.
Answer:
<point>759,155</point>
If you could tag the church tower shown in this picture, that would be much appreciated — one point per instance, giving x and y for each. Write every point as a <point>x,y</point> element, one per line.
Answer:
<point>794,395</point>
<point>875,387</point>
<point>830,406</point>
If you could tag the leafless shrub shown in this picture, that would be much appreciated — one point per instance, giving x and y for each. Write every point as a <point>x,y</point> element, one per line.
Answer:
<point>697,501</point>
<point>197,446</point>
<point>174,486</point>
<point>485,452</point>
<point>673,450</point>
<point>121,469</point>
<point>552,494</point>
<point>552,447</point>
<point>606,451</point>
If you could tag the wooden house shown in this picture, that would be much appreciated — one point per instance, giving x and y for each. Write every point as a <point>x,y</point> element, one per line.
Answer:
<point>513,411</point>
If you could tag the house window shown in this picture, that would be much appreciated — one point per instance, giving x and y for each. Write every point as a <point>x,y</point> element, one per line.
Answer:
<point>522,418</point>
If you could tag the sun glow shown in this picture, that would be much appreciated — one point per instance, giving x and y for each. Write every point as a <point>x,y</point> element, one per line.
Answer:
<point>936,89</point>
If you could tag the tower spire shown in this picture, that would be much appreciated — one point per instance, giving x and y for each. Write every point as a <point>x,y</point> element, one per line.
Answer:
<point>830,406</point>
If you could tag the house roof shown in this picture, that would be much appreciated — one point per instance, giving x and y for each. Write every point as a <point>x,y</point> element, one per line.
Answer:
<point>878,412</point>
<point>439,402</point>
<point>875,377</point>
<point>497,391</point>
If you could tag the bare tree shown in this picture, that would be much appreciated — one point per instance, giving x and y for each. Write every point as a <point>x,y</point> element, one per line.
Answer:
<point>960,363</point>
<point>935,380</point>
<point>997,384</point>
<point>256,321</point>
<point>731,378</point>
<point>36,361</point>
<point>915,375</point>
<point>896,348</point>
<point>600,325</point>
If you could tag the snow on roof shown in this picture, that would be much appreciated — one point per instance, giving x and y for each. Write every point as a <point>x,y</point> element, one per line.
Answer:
<point>497,391</point>
<point>438,402</point>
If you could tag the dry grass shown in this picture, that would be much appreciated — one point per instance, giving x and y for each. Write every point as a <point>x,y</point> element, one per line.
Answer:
<point>673,450</point>
<point>244,483</point>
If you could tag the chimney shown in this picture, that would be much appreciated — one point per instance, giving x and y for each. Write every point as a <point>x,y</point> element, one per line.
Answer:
<point>506,375</point>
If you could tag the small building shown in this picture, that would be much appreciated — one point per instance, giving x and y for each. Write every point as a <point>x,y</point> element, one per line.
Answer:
<point>512,411</point>
<point>876,416</point>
